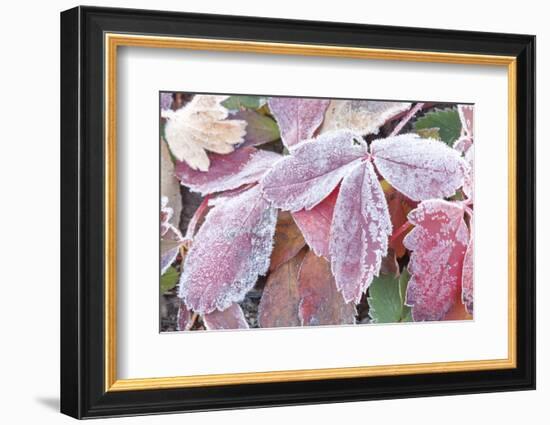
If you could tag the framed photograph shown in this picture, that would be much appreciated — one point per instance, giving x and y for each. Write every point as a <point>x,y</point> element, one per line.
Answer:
<point>261,212</point>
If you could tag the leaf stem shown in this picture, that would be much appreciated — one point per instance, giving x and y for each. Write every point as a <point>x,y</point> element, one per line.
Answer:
<point>412,112</point>
<point>402,229</point>
<point>199,213</point>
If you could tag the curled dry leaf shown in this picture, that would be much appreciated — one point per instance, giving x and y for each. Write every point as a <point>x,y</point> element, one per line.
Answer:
<point>315,224</point>
<point>280,299</point>
<point>169,185</point>
<point>359,233</point>
<point>361,116</point>
<point>230,318</point>
<point>438,244</point>
<point>170,237</point>
<point>307,176</point>
<point>227,172</point>
<point>199,126</point>
<point>321,303</point>
<point>419,168</point>
<point>288,240</point>
<point>297,118</point>
<point>230,250</point>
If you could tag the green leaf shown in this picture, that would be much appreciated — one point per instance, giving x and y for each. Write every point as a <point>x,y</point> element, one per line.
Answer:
<point>386,299</point>
<point>403,283</point>
<point>235,103</point>
<point>168,280</point>
<point>428,133</point>
<point>446,121</point>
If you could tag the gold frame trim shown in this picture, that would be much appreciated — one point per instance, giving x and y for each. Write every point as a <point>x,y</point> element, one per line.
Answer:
<point>113,41</point>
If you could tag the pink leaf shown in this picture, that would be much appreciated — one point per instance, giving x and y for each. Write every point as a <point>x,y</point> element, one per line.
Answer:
<point>468,187</point>
<point>243,166</point>
<point>419,168</point>
<point>297,118</point>
<point>184,318</point>
<point>466,114</point>
<point>321,303</point>
<point>359,234</point>
<point>307,176</point>
<point>438,244</point>
<point>230,250</point>
<point>259,129</point>
<point>230,318</point>
<point>468,277</point>
<point>315,224</point>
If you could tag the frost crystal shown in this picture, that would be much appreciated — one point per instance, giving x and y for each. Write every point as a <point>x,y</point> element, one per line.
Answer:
<point>166,101</point>
<point>199,126</point>
<point>304,178</point>
<point>230,250</point>
<point>297,118</point>
<point>468,277</point>
<point>419,168</point>
<point>359,234</point>
<point>231,318</point>
<point>361,116</point>
<point>438,244</point>
<point>243,166</point>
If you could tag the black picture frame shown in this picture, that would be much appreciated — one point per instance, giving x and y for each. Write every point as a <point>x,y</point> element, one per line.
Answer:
<point>83,392</point>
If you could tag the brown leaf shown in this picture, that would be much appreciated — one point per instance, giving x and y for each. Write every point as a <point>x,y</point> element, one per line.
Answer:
<point>231,318</point>
<point>288,240</point>
<point>280,298</point>
<point>199,126</point>
<point>321,303</point>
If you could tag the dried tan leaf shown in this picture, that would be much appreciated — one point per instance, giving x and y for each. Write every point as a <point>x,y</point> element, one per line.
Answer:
<point>361,116</point>
<point>201,126</point>
<point>169,184</point>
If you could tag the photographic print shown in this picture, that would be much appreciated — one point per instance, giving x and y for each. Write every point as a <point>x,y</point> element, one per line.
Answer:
<point>289,212</point>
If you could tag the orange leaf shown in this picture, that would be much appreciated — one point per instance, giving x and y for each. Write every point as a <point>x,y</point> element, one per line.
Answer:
<point>288,240</point>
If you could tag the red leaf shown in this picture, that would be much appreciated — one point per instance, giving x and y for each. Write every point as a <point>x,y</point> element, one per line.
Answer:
<point>438,243</point>
<point>243,166</point>
<point>307,176</point>
<point>398,209</point>
<point>259,129</point>
<point>359,234</point>
<point>280,299</point>
<point>297,118</point>
<point>468,278</point>
<point>315,224</point>
<point>230,250</point>
<point>321,303</point>
<point>288,240</point>
<point>419,168</point>
<point>230,318</point>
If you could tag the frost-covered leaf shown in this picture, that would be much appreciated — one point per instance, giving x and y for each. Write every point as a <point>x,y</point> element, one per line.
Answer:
<point>385,302</point>
<point>468,278</point>
<point>288,240</point>
<point>307,176</point>
<point>243,166</point>
<point>199,126</point>
<point>361,116</point>
<point>466,115</point>
<point>298,118</point>
<point>230,318</point>
<point>446,121</point>
<point>168,280</point>
<point>166,100</point>
<point>230,250</point>
<point>359,234</point>
<point>184,318</point>
<point>321,303</point>
<point>169,185</point>
<point>468,187</point>
<point>419,168</point>
<point>259,128</point>
<point>280,299</point>
<point>315,224</point>
<point>170,237</point>
<point>438,244</point>
<point>235,103</point>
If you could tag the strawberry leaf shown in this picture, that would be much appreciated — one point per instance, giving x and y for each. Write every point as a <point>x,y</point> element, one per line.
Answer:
<point>259,128</point>
<point>168,280</point>
<point>446,121</point>
<point>230,318</point>
<point>419,168</point>
<point>315,224</point>
<point>297,118</point>
<point>321,303</point>
<point>359,234</point>
<point>385,302</point>
<point>288,240</point>
<point>235,103</point>
<point>361,116</point>
<point>307,176</point>
<point>438,244</point>
<point>230,250</point>
<point>227,172</point>
<point>280,299</point>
